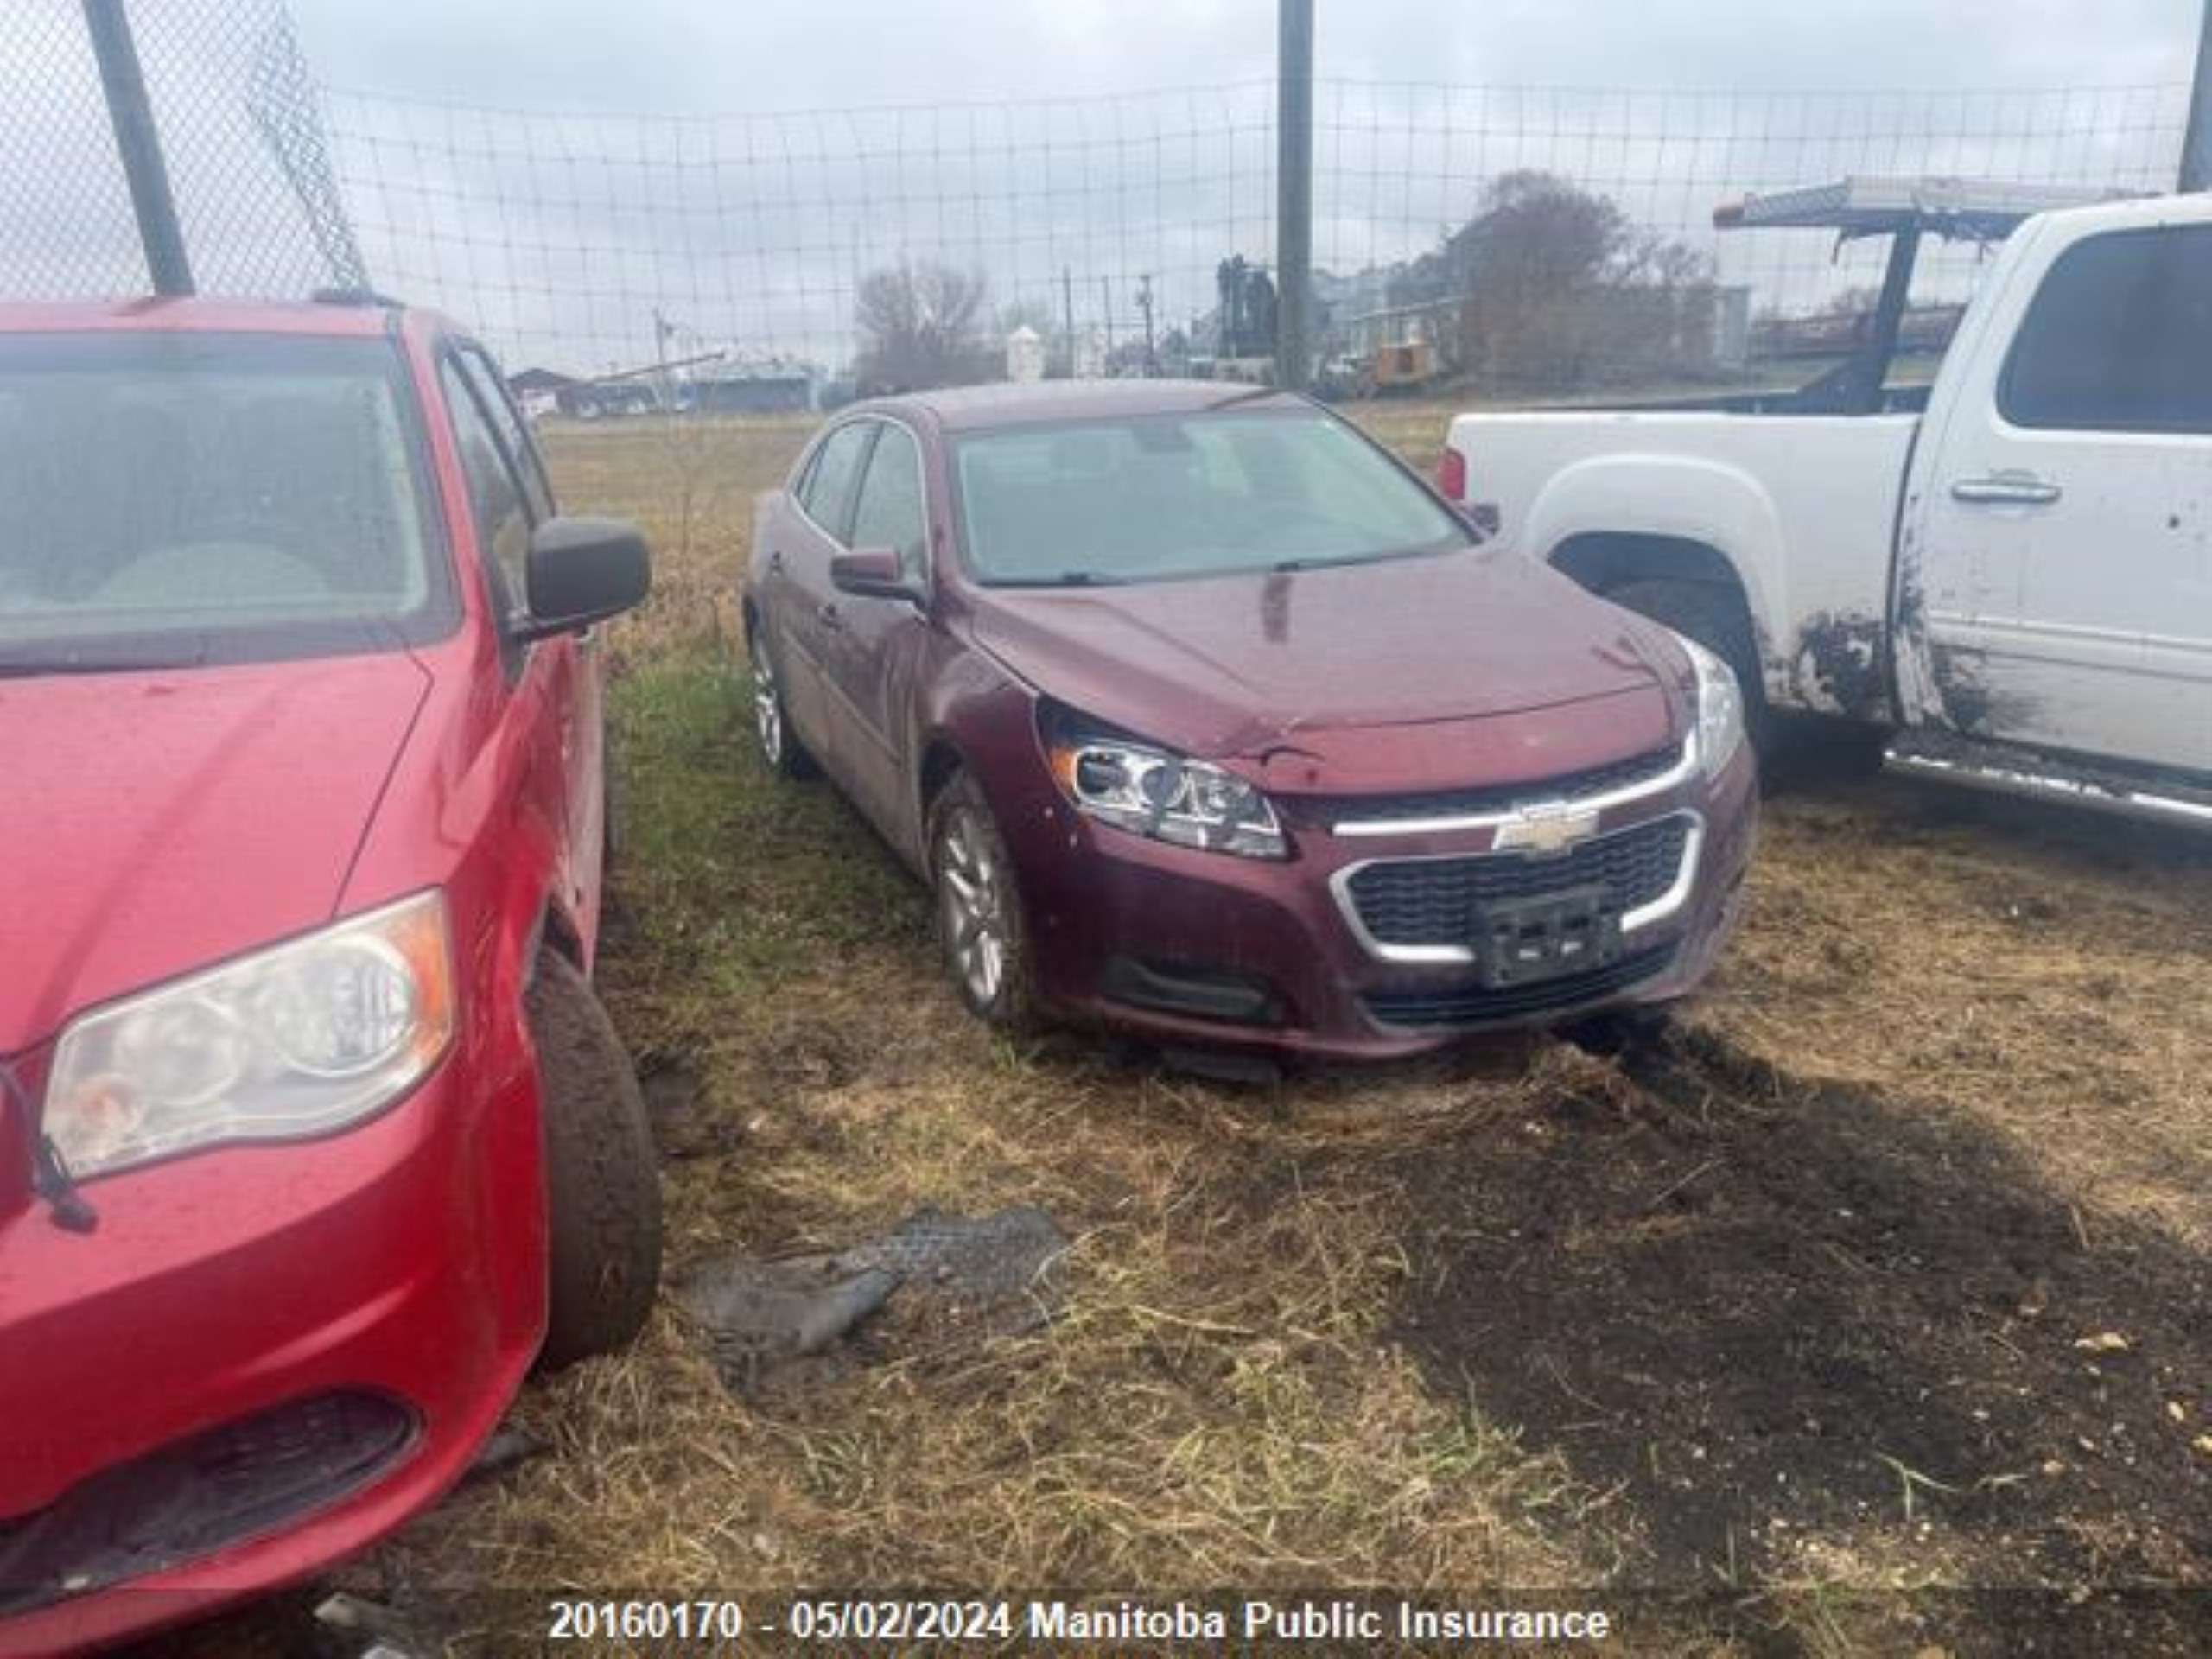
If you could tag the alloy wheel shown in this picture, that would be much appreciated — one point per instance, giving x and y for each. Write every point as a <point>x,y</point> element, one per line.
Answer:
<point>972,893</point>
<point>767,708</point>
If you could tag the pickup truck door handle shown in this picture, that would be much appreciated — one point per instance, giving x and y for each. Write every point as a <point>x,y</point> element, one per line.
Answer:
<point>2006,489</point>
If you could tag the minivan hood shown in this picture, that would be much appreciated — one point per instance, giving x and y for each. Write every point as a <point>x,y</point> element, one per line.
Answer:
<point>155,822</point>
<point>1250,665</point>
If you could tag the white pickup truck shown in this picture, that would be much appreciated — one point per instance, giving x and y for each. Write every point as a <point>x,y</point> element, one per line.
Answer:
<point>2014,581</point>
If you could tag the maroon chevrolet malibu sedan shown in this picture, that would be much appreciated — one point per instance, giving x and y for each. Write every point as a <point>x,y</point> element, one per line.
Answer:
<point>1208,722</point>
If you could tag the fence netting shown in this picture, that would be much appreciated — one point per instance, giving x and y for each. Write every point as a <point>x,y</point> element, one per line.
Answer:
<point>1529,238</point>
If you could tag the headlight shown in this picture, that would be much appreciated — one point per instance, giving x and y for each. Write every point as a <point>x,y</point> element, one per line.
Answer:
<point>1152,793</point>
<point>291,1042</point>
<point>1719,709</point>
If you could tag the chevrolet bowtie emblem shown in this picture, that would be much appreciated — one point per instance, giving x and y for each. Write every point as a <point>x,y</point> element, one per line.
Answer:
<point>1543,827</point>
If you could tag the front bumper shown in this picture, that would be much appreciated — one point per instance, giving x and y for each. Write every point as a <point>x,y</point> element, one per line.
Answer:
<point>1189,948</point>
<point>355,1311</point>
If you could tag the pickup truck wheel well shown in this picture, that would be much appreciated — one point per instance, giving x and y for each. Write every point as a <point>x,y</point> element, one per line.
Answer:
<point>1686,585</point>
<point>1605,562</point>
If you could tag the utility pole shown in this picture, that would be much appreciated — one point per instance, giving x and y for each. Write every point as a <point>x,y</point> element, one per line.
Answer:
<point>1293,193</point>
<point>138,143</point>
<point>1067,318</point>
<point>1144,304</point>
<point>2196,145</point>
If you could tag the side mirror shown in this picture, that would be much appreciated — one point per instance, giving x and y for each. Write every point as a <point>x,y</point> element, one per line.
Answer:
<point>872,573</point>
<point>583,570</point>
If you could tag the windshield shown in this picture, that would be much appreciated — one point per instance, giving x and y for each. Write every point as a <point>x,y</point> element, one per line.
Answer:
<point>1167,496</point>
<point>172,500</point>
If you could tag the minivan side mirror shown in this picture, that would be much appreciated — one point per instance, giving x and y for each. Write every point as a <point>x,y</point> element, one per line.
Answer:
<point>582,571</point>
<point>872,573</point>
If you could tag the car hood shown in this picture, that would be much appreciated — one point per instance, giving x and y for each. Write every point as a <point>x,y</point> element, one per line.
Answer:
<point>155,822</point>
<point>1480,664</point>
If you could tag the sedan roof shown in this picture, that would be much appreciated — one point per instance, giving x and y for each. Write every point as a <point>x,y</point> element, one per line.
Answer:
<point>975,408</point>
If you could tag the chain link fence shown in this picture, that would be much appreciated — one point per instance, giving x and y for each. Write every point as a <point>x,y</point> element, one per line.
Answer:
<point>239,120</point>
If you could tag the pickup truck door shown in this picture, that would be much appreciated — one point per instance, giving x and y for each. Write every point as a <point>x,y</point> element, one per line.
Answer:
<point>811,527</point>
<point>872,646</point>
<point>2064,552</point>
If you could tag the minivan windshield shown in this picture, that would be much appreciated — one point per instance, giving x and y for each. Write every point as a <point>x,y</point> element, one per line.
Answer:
<point>1211,492</point>
<point>173,499</point>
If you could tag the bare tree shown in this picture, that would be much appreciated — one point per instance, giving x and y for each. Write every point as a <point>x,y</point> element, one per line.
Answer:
<point>920,326</point>
<point>1555,288</point>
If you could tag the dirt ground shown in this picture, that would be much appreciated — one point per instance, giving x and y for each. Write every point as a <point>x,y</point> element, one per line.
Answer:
<point>1871,1314</point>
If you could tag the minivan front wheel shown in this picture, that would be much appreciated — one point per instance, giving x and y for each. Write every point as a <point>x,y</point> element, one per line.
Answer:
<point>602,1176</point>
<point>978,911</point>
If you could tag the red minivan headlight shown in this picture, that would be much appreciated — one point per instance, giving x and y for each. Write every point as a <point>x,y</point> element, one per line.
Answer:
<point>291,1042</point>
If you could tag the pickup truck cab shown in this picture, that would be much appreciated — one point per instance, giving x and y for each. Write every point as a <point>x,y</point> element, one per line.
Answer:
<point>2014,581</point>
<point>313,1138</point>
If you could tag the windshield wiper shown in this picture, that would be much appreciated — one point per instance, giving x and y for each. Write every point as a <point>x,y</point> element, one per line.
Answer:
<point>1066,579</point>
<point>28,668</point>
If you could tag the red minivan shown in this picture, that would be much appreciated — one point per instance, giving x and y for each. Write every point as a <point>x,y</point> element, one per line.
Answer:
<point>1207,721</point>
<point>313,1136</point>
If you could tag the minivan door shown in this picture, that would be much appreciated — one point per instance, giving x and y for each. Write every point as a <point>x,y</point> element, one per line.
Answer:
<point>2065,544</point>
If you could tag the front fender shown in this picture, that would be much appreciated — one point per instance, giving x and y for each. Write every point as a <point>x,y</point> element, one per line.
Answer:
<point>1676,497</point>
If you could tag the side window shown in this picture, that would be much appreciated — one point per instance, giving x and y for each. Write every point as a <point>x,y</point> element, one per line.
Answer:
<point>889,512</point>
<point>495,496</point>
<point>827,494</point>
<point>2119,337</point>
<point>492,393</point>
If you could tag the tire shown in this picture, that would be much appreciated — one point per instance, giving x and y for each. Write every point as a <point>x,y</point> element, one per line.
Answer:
<point>602,1176</point>
<point>1623,1032</point>
<point>780,747</point>
<point>1716,618</point>
<point>977,910</point>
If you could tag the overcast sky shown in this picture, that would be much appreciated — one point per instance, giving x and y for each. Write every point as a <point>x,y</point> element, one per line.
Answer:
<point>559,171</point>
<point>747,55</point>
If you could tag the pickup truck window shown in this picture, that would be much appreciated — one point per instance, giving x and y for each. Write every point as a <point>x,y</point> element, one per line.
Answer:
<point>2119,337</point>
<point>170,500</point>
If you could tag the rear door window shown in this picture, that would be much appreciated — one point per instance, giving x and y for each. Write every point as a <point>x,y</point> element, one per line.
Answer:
<point>2119,337</point>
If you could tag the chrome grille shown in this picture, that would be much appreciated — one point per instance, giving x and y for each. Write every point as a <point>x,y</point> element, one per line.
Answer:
<point>1432,901</point>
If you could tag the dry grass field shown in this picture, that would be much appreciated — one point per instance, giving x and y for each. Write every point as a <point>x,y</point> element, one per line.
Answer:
<point>1885,1283</point>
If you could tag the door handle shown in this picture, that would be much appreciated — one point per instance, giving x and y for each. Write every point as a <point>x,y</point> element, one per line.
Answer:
<point>2006,489</point>
<point>828,617</point>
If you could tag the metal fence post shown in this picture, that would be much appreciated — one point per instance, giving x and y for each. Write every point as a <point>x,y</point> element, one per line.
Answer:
<point>2196,143</point>
<point>1294,193</point>
<point>139,143</point>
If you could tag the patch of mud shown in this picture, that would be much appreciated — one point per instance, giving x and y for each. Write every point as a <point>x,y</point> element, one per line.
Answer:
<point>1774,1321</point>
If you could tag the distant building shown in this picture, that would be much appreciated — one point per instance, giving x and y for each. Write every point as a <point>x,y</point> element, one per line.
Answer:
<point>537,392</point>
<point>749,385</point>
